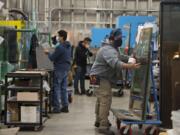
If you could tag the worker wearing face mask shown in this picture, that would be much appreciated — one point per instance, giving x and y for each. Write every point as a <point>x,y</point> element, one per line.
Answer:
<point>107,70</point>
<point>61,58</point>
<point>80,61</point>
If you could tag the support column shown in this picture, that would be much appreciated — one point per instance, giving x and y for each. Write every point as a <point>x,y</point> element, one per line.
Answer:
<point>85,17</point>
<point>137,7</point>
<point>21,4</point>
<point>34,13</point>
<point>124,7</point>
<point>111,14</point>
<point>60,14</point>
<point>47,15</point>
<point>97,15</point>
<point>149,7</point>
<point>72,15</point>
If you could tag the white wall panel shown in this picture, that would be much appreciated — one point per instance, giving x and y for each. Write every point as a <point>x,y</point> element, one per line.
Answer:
<point>91,3</point>
<point>66,3</point>
<point>131,5</point>
<point>143,5</point>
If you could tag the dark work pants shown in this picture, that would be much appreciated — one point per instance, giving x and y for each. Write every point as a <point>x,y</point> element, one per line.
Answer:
<point>80,75</point>
<point>59,95</point>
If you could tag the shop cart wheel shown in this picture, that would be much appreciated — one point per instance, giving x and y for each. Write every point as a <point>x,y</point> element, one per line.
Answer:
<point>89,92</point>
<point>38,128</point>
<point>120,92</point>
<point>125,130</point>
<point>128,85</point>
<point>140,126</point>
<point>10,126</point>
<point>118,123</point>
<point>151,131</point>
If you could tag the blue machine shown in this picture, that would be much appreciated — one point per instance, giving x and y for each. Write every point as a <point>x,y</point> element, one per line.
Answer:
<point>98,34</point>
<point>134,22</point>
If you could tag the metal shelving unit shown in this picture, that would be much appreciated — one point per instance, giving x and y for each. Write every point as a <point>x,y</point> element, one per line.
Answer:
<point>11,90</point>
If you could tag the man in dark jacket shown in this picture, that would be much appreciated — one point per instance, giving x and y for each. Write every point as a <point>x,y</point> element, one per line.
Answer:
<point>61,58</point>
<point>81,55</point>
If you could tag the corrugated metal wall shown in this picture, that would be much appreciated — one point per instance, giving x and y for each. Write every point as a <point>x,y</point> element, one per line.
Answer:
<point>81,15</point>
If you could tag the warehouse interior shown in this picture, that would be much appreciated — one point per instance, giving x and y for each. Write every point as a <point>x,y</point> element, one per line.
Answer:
<point>89,67</point>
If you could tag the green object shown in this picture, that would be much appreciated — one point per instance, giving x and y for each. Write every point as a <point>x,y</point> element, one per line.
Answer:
<point>2,45</point>
<point>24,56</point>
<point>142,53</point>
<point>141,77</point>
<point>1,52</point>
<point>1,99</point>
<point>6,33</point>
<point>5,68</point>
<point>0,71</point>
<point>0,103</point>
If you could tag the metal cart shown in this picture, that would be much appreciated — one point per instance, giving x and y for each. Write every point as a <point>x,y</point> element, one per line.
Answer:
<point>41,104</point>
<point>126,117</point>
<point>132,116</point>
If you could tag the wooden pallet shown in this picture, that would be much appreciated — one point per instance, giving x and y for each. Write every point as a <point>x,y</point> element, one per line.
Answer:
<point>124,115</point>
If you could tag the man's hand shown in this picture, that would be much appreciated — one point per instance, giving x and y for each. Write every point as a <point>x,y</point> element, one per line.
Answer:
<point>135,66</point>
<point>46,51</point>
<point>131,66</point>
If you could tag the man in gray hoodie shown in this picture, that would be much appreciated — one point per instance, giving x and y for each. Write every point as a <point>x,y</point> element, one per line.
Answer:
<point>107,68</point>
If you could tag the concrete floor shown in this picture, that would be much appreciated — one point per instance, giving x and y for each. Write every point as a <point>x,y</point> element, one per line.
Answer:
<point>80,119</point>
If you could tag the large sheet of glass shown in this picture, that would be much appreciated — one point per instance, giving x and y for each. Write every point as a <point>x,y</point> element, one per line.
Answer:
<point>142,54</point>
<point>43,61</point>
<point>140,89</point>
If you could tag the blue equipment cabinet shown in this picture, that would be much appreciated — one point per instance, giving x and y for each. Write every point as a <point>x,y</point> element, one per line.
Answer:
<point>98,34</point>
<point>134,22</point>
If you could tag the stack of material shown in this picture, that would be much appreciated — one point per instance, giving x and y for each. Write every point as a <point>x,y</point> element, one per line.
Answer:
<point>171,132</point>
<point>176,122</point>
<point>163,133</point>
<point>9,131</point>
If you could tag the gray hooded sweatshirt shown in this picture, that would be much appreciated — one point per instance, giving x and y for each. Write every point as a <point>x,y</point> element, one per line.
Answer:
<point>108,63</point>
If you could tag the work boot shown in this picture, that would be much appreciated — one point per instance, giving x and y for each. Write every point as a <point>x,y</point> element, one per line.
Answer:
<point>56,111</point>
<point>106,131</point>
<point>65,109</point>
<point>97,124</point>
<point>83,91</point>
<point>76,92</point>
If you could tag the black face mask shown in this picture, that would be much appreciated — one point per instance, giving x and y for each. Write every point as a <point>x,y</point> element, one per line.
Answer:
<point>54,41</point>
<point>117,43</point>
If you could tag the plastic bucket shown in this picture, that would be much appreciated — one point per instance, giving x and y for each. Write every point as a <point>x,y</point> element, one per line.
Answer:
<point>176,114</point>
<point>176,124</point>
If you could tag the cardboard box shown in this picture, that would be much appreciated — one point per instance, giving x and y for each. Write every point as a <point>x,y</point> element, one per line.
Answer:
<point>29,114</point>
<point>13,112</point>
<point>27,96</point>
<point>163,133</point>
